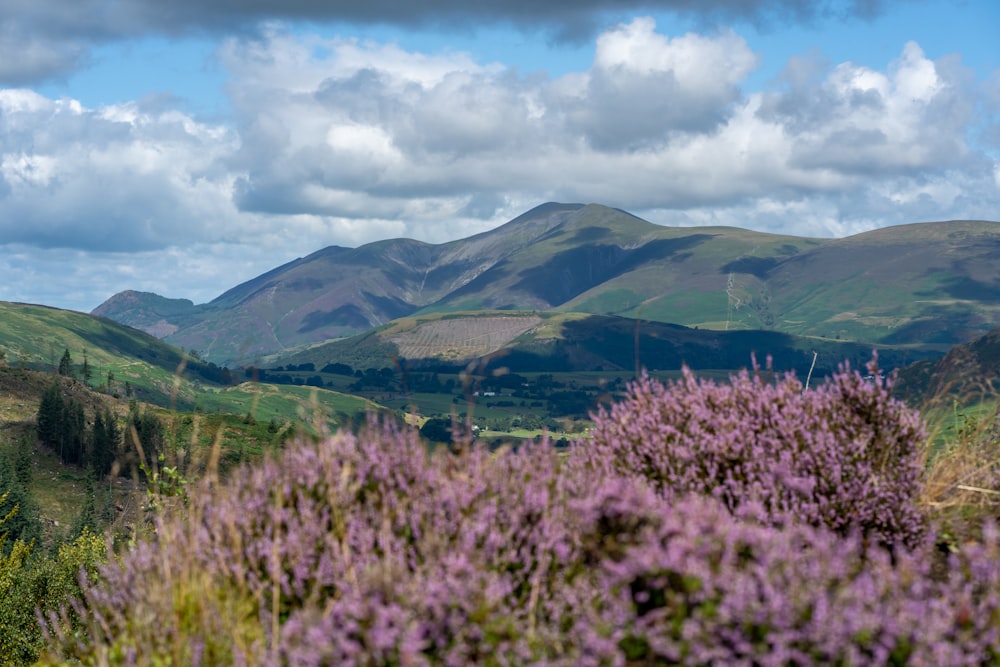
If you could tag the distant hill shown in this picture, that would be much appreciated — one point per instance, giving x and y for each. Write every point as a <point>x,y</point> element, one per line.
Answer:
<point>557,342</point>
<point>928,284</point>
<point>35,337</point>
<point>152,313</point>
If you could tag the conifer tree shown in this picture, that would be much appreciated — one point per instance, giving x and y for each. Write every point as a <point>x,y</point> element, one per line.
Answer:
<point>85,371</point>
<point>103,443</point>
<point>66,364</point>
<point>23,459</point>
<point>148,428</point>
<point>16,503</point>
<point>74,433</point>
<point>62,425</point>
<point>50,415</point>
<point>87,518</point>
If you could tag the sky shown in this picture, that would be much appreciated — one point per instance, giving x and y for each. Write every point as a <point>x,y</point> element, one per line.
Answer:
<point>184,147</point>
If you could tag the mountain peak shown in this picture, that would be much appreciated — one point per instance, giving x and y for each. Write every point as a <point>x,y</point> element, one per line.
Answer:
<point>152,313</point>
<point>548,208</point>
<point>131,299</point>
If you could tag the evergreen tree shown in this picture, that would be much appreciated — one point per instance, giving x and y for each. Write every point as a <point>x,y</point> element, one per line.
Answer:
<point>23,522</point>
<point>103,443</point>
<point>66,364</point>
<point>149,430</point>
<point>74,433</point>
<point>62,425</point>
<point>23,460</point>
<point>50,415</point>
<point>437,429</point>
<point>85,371</point>
<point>87,518</point>
<point>96,442</point>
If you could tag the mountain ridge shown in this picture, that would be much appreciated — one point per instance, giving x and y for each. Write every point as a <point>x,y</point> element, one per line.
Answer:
<point>923,284</point>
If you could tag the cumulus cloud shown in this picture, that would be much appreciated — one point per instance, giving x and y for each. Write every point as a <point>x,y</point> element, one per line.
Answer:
<point>655,123</point>
<point>861,121</point>
<point>405,127</point>
<point>42,39</point>
<point>644,86</point>
<point>113,178</point>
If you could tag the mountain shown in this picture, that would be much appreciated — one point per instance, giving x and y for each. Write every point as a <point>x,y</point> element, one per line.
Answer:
<point>336,291</point>
<point>922,284</point>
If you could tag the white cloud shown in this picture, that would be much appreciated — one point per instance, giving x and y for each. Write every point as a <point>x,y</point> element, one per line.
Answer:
<point>644,88</point>
<point>912,117</point>
<point>115,178</point>
<point>655,122</point>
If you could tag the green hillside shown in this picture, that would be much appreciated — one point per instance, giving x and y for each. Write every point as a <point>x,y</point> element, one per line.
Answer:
<point>127,363</point>
<point>198,403</point>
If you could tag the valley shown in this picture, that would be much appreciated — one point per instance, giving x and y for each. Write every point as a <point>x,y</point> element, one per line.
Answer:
<point>530,326</point>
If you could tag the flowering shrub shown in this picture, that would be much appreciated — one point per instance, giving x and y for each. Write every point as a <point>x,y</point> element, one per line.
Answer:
<point>846,455</point>
<point>387,553</point>
<point>707,588</point>
<point>368,550</point>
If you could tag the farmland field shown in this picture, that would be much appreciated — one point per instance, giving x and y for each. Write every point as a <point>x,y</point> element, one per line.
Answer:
<point>462,338</point>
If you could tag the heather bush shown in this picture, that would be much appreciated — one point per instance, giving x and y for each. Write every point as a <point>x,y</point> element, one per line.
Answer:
<point>846,455</point>
<point>391,554</point>
<point>366,549</point>
<point>708,588</point>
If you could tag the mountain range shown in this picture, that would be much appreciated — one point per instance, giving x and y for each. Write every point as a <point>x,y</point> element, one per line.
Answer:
<point>927,285</point>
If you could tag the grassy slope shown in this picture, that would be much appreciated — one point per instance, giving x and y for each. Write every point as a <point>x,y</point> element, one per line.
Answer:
<point>958,394</point>
<point>35,337</point>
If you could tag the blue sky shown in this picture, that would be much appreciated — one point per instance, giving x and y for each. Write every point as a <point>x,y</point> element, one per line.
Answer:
<point>184,147</point>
